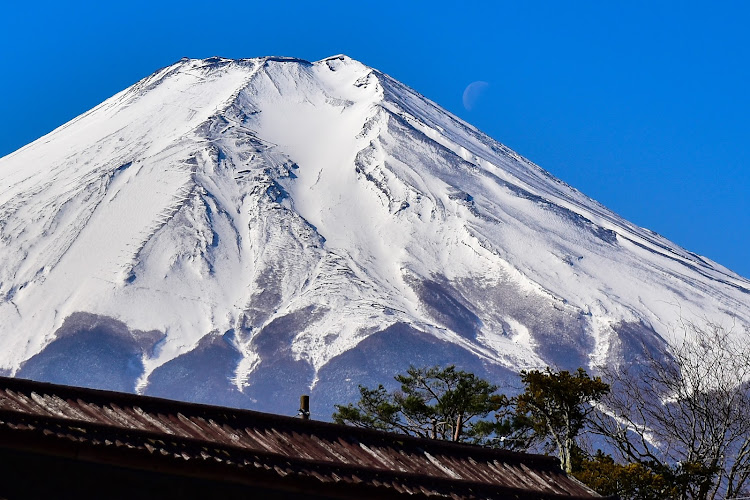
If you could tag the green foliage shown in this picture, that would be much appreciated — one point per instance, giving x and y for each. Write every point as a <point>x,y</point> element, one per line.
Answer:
<point>629,482</point>
<point>451,404</point>
<point>642,480</point>
<point>556,406</point>
<point>375,410</point>
<point>438,403</point>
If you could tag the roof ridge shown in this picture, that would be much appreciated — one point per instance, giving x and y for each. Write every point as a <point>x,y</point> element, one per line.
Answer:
<point>175,407</point>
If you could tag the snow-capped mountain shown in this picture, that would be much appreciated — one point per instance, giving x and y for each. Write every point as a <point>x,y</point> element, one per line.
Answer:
<point>244,231</point>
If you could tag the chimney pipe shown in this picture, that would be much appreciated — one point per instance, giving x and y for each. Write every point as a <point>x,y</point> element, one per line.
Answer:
<point>304,407</point>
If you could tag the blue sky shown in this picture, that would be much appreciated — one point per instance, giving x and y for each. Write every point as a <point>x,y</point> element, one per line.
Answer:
<point>643,106</point>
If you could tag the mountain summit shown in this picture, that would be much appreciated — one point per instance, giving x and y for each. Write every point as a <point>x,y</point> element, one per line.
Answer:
<point>244,231</point>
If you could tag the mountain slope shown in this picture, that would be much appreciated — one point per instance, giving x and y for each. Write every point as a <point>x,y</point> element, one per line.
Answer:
<point>240,232</point>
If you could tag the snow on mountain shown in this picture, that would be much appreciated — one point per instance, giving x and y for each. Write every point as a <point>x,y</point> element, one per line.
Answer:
<point>243,231</point>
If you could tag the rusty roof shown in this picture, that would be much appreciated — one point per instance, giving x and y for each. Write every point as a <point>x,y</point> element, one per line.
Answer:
<point>248,447</point>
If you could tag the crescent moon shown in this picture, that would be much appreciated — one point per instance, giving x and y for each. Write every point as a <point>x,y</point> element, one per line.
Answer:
<point>472,93</point>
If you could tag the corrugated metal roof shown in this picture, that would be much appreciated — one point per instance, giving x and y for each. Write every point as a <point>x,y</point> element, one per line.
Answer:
<point>251,446</point>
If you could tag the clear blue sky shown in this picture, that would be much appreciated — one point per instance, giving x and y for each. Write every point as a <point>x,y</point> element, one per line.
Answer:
<point>643,106</point>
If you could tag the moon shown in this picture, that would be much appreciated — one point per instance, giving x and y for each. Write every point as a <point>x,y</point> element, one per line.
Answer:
<point>473,92</point>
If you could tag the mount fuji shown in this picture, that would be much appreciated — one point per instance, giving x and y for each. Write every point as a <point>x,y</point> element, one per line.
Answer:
<point>240,232</point>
